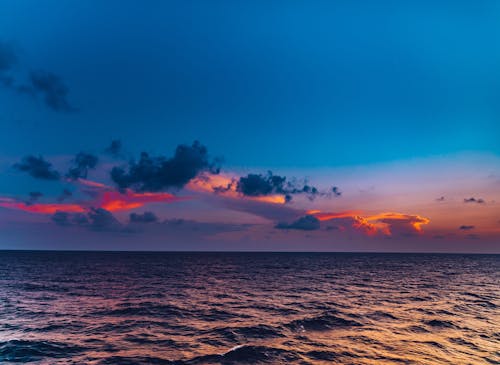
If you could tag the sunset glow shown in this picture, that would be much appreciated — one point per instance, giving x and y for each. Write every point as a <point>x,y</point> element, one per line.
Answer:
<point>40,208</point>
<point>373,224</point>
<point>117,201</point>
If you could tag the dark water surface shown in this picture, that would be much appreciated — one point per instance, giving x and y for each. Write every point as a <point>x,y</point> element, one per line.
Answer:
<point>231,308</point>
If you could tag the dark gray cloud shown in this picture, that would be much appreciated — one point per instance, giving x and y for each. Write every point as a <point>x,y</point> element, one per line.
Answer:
<point>268,184</point>
<point>305,223</point>
<point>65,194</point>
<point>47,85</point>
<point>160,173</point>
<point>80,219</point>
<point>61,218</point>
<point>52,89</point>
<point>258,185</point>
<point>33,197</point>
<point>440,199</point>
<point>146,217</point>
<point>96,219</point>
<point>102,220</point>
<point>115,148</point>
<point>336,192</point>
<point>8,57</point>
<point>81,165</point>
<point>466,228</point>
<point>37,167</point>
<point>70,219</point>
<point>474,200</point>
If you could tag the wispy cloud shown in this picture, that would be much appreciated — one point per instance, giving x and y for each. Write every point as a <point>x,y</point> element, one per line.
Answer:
<point>37,167</point>
<point>474,200</point>
<point>44,84</point>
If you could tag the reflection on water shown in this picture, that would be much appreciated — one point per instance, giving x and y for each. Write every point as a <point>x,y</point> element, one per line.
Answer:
<point>213,308</point>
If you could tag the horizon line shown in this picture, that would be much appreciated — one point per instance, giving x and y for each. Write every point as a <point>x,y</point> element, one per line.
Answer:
<point>252,251</point>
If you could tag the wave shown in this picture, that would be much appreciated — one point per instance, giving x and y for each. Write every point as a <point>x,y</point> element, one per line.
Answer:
<point>27,351</point>
<point>145,309</point>
<point>260,331</point>
<point>439,323</point>
<point>137,360</point>
<point>322,322</point>
<point>248,354</point>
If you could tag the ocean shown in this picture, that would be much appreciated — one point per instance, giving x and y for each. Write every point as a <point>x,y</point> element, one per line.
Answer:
<point>248,308</point>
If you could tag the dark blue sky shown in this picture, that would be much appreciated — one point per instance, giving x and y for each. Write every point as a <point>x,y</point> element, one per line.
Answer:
<point>263,84</point>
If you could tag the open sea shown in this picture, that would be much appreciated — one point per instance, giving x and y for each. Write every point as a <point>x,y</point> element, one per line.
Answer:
<point>248,308</point>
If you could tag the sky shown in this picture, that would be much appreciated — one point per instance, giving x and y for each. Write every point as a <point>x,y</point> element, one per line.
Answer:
<point>231,125</point>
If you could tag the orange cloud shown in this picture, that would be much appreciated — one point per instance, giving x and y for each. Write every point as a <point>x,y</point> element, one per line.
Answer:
<point>107,198</point>
<point>116,201</point>
<point>384,223</point>
<point>225,185</point>
<point>39,207</point>
<point>325,216</point>
<point>208,183</point>
<point>93,184</point>
<point>414,221</point>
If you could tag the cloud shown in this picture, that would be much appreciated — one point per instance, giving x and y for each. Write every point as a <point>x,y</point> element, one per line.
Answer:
<point>40,83</point>
<point>115,148</point>
<point>65,194</point>
<point>224,185</point>
<point>38,168</point>
<point>38,207</point>
<point>102,220</point>
<point>474,200</point>
<point>305,223</point>
<point>102,196</point>
<point>402,224</point>
<point>61,218</point>
<point>146,217</point>
<point>386,223</point>
<point>33,197</point>
<point>96,219</point>
<point>336,192</point>
<point>257,185</point>
<point>52,89</point>
<point>116,201</point>
<point>160,173</point>
<point>81,165</point>
<point>440,199</point>
<point>266,210</point>
<point>8,57</point>
<point>466,228</point>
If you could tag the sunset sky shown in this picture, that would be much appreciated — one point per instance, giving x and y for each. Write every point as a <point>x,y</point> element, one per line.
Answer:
<point>233,125</point>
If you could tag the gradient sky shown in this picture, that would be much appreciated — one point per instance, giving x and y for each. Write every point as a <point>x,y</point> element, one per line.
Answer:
<point>395,104</point>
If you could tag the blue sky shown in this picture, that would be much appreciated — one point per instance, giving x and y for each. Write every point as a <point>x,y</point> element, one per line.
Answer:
<point>287,84</point>
<point>302,86</point>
